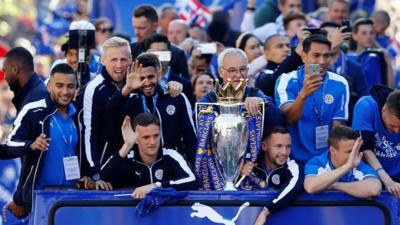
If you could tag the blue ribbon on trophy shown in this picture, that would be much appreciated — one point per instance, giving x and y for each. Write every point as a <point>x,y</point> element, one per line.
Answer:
<point>219,153</point>
<point>255,124</point>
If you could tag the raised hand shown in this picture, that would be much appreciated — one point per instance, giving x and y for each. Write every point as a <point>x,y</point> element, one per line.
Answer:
<point>338,37</point>
<point>133,79</point>
<point>311,83</point>
<point>355,156</point>
<point>128,134</point>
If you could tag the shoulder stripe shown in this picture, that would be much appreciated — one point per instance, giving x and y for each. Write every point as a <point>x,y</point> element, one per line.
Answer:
<point>345,102</point>
<point>183,164</point>
<point>189,111</point>
<point>282,86</point>
<point>295,171</point>
<point>17,123</point>
<point>87,114</point>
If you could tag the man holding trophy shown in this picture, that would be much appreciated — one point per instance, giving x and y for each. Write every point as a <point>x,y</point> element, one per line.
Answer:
<point>230,124</point>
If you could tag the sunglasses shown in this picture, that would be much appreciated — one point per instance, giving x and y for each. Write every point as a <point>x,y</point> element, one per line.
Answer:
<point>104,30</point>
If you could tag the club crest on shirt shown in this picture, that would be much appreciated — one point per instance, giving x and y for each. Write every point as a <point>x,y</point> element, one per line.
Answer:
<point>170,110</point>
<point>328,99</point>
<point>276,179</point>
<point>159,174</point>
<point>131,155</point>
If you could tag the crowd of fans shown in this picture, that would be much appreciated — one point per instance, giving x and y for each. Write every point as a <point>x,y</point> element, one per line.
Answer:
<point>331,120</point>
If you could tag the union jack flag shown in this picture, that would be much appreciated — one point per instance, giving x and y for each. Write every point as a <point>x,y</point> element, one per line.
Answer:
<point>194,13</point>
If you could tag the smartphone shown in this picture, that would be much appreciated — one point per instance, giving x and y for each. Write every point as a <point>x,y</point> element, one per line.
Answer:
<point>314,30</point>
<point>163,56</point>
<point>313,68</point>
<point>348,26</point>
<point>208,48</point>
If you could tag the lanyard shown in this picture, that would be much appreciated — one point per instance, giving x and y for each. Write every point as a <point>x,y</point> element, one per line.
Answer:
<point>62,131</point>
<point>340,69</point>
<point>145,107</point>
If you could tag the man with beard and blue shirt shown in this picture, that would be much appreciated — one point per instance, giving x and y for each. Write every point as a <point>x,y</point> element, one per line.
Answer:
<point>143,93</point>
<point>49,125</point>
<point>377,118</point>
<point>312,99</point>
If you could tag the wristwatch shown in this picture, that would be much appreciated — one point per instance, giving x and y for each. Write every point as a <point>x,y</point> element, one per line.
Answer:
<point>157,184</point>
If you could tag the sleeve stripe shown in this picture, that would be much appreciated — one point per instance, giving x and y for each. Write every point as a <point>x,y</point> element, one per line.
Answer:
<point>282,86</point>
<point>17,123</point>
<point>189,111</point>
<point>294,169</point>
<point>183,164</point>
<point>345,103</point>
<point>87,115</point>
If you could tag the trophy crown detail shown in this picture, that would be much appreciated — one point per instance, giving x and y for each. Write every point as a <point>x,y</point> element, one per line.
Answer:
<point>228,93</point>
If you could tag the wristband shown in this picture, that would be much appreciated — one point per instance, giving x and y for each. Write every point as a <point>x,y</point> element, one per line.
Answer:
<point>251,8</point>
<point>377,170</point>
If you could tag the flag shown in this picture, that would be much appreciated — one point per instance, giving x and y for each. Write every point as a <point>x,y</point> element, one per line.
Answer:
<point>194,13</point>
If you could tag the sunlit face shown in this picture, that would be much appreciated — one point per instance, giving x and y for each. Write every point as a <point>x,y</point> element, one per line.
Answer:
<point>103,33</point>
<point>380,25</point>
<point>365,36</point>
<point>338,12</point>
<point>164,21</point>
<point>290,6</point>
<point>202,86</point>
<point>150,75</point>
<point>148,140</point>
<point>277,149</point>
<point>197,34</point>
<point>340,154</point>
<point>294,26</point>
<point>319,54</point>
<point>390,120</point>
<point>198,65</point>
<point>278,50</point>
<point>117,62</point>
<point>252,49</point>
<point>62,88</point>
<point>143,28</point>
<point>10,71</point>
<point>72,58</point>
<point>177,32</point>
<point>234,67</point>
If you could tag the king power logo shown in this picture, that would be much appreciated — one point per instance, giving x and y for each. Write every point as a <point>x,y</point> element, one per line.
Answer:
<point>204,211</point>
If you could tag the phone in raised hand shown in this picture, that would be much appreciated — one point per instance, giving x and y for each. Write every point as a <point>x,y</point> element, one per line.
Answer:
<point>208,48</point>
<point>314,68</point>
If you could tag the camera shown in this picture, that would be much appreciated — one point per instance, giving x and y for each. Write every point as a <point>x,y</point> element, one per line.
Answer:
<point>208,48</point>
<point>348,26</point>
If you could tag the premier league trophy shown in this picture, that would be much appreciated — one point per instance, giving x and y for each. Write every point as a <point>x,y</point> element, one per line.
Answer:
<point>228,129</point>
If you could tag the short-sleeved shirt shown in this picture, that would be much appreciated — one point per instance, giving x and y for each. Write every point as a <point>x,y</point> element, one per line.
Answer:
<point>322,164</point>
<point>367,117</point>
<point>330,100</point>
